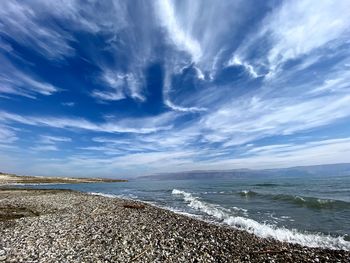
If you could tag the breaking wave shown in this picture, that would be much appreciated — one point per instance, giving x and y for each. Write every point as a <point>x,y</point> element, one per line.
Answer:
<point>263,230</point>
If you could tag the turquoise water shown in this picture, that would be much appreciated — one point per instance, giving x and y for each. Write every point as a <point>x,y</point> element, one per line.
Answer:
<point>313,211</point>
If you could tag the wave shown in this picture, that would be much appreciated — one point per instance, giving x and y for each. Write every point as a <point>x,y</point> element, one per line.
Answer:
<point>193,202</point>
<point>248,193</point>
<point>303,201</point>
<point>264,230</point>
<point>312,202</point>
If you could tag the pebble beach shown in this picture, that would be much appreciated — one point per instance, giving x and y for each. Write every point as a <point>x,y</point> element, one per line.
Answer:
<point>69,226</point>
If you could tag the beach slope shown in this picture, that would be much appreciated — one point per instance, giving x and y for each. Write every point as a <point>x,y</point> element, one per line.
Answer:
<point>69,226</point>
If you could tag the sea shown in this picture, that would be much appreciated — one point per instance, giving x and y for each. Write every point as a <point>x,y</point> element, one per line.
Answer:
<point>313,211</point>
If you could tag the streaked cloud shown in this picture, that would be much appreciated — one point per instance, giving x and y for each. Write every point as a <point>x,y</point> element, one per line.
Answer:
<point>14,81</point>
<point>24,23</point>
<point>49,139</point>
<point>295,29</point>
<point>183,40</point>
<point>173,85</point>
<point>68,104</point>
<point>136,125</point>
<point>7,135</point>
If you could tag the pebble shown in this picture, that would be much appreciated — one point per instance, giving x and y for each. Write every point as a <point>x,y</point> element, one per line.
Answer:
<point>70,226</point>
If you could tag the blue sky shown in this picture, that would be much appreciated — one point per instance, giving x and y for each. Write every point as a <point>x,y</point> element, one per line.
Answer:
<point>126,88</point>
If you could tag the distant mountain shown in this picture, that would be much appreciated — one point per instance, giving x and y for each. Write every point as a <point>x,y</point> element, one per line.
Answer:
<point>321,170</point>
<point>325,169</point>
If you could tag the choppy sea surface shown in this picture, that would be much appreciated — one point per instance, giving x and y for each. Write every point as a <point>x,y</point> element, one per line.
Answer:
<point>312,211</point>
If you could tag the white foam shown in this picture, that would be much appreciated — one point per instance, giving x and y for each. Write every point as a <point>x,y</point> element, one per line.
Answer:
<point>239,209</point>
<point>264,230</point>
<point>201,206</point>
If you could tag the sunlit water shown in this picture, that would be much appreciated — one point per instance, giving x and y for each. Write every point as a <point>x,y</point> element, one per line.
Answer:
<point>313,211</point>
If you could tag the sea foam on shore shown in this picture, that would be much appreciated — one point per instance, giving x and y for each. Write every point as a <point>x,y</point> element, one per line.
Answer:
<point>243,223</point>
<point>263,230</point>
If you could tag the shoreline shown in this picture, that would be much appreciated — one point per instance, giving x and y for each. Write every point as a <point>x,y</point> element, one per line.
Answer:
<point>20,180</point>
<point>54,225</point>
<point>324,241</point>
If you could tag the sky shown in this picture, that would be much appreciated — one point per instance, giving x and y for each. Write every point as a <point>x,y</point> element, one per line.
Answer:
<point>127,88</point>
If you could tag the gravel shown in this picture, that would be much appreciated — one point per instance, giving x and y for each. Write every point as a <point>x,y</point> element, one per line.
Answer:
<point>68,226</point>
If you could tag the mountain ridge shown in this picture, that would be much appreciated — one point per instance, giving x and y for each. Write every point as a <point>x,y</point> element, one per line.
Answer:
<point>322,170</point>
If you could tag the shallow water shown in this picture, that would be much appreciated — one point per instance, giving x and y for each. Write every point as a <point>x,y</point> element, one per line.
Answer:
<point>313,211</point>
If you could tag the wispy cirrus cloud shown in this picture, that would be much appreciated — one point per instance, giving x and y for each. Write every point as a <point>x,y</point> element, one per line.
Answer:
<point>272,156</point>
<point>260,157</point>
<point>296,32</point>
<point>49,143</point>
<point>44,148</point>
<point>49,139</point>
<point>68,104</point>
<point>182,39</point>
<point>248,120</point>
<point>119,86</point>
<point>296,29</point>
<point>235,61</point>
<point>7,135</point>
<point>23,23</point>
<point>132,125</point>
<point>14,81</point>
<point>216,84</point>
<point>38,26</point>
<point>198,38</point>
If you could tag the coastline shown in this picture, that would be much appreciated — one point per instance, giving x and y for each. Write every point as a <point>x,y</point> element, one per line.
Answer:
<point>13,180</point>
<point>56,225</point>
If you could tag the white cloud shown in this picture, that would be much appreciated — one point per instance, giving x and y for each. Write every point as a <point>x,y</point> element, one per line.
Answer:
<point>167,100</point>
<point>235,61</point>
<point>261,157</point>
<point>337,83</point>
<point>183,40</point>
<point>134,125</point>
<point>162,141</point>
<point>273,156</point>
<point>22,23</point>
<point>119,86</point>
<point>49,139</point>
<point>246,120</point>
<point>29,23</point>
<point>296,29</point>
<point>7,135</point>
<point>44,148</point>
<point>107,95</point>
<point>225,115</point>
<point>38,25</point>
<point>182,109</point>
<point>49,143</point>
<point>13,81</point>
<point>104,150</point>
<point>68,104</point>
<point>299,27</point>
